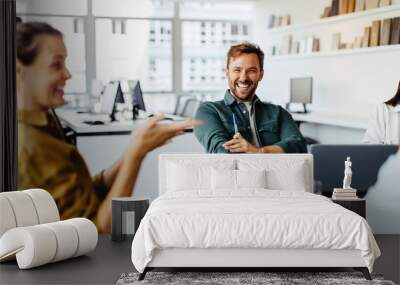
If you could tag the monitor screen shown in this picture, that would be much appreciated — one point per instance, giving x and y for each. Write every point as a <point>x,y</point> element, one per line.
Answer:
<point>301,90</point>
<point>109,96</point>
<point>137,95</point>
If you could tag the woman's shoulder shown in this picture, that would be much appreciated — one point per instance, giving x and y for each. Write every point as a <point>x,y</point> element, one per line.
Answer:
<point>381,109</point>
<point>37,141</point>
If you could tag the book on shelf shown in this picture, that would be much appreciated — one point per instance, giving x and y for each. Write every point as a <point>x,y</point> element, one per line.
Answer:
<point>280,19</point>
<point>360,5</point>
<point>315,45</point>
<point>285,20</point>
<point>335,8</point>
<point>366,37</point>
<point>309,46</point>
<point>271,21</point>
<point>344,196</point>
<point>334,197</point>
<point>395,31</point>
<point>371,4</point>
<point>327,12</point>
<point>358,42</point>
<point>276,22</point>
<point>385,32</point>
<point>375,30</point>
<point>343,6</point>
<point>351,6</point>
<point>286,44</point>
<point>384,3</point>
<point>340,193</point>
<point>344,190</point>
<point>295,47</point>
<point>303,46</point>
<point>335,41</point>
<point>272,50</point>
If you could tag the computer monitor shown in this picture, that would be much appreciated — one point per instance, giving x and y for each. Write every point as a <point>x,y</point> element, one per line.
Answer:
<point>112,94</point>
<point>137,95</point>
<point>301,91</point>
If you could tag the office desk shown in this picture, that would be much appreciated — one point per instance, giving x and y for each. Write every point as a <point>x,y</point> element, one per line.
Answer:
<point>332,128</point>
<point>102,145</point>
<point>346,121</point>
<point>104,265</point>
<point>76,121</point>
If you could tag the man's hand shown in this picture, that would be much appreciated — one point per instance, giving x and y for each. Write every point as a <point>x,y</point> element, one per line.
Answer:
<point>154,134</point>
<point>240,145</point>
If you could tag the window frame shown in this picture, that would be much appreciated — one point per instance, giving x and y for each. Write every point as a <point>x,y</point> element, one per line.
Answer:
<point>176,45</point>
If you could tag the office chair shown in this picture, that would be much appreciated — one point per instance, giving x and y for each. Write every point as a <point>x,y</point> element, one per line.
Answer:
<point>190,107</point>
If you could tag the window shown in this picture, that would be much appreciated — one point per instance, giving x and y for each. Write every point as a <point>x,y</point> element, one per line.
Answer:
<point>205,44</point>
<point>207,34</point>
<point>135,40</point>
<point>135,49</point>
<point>144,9</point>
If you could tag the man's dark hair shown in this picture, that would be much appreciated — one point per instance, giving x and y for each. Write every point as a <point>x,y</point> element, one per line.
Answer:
<point>245,48</point>
<point>396,98</point>
<point>27,39</point>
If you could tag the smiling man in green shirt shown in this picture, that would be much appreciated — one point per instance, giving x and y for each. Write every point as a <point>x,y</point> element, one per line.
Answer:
<point>241,123</point>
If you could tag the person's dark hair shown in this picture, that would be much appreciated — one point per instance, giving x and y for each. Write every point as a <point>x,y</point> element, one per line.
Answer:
<point>245,48</point>
<point>27,39</point>
<point>396,98</point>
<point>18,20</point>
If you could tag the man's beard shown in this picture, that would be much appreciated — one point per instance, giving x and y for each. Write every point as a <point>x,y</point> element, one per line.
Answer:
<point>250,93</point>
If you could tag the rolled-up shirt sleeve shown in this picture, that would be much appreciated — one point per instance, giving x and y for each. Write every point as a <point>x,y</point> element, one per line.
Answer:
<point>292,141</point>
<point>212,134</point>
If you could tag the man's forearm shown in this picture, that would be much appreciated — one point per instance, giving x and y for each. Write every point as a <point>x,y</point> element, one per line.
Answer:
<point>271,149</point>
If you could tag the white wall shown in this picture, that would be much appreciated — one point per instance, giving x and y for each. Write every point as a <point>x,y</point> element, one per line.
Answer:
<point>345,84</point>
<point>53,7</point>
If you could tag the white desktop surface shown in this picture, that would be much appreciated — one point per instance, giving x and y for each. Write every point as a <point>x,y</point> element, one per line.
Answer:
<point>347,121</point>
<point>76,121</point>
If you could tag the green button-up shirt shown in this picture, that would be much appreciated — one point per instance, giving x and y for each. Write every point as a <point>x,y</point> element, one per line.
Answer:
<point>273,125</point>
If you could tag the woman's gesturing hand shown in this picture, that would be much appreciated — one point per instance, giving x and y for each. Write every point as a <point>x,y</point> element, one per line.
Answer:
<point>154,134</point>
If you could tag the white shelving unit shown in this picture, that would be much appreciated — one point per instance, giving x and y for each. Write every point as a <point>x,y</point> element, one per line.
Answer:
<point>317,26</point>
<point>348,83</point>
<point>335,19</point>
<point>345,52</point>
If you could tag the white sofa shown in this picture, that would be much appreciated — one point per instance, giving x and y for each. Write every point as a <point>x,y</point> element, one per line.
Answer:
<point>31,231</point>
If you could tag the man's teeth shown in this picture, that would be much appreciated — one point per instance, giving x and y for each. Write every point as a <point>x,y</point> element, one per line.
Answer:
<point>244,86</point>
<point>60,88</point>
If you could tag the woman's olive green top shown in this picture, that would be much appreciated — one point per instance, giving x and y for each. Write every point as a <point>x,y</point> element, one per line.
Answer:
<point>46,161</point>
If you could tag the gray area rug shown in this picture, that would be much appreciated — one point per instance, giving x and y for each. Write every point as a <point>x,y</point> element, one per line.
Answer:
<point>270,278</point>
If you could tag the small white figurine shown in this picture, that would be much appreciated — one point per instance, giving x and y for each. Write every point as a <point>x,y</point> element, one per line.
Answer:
<point>347,174</point>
